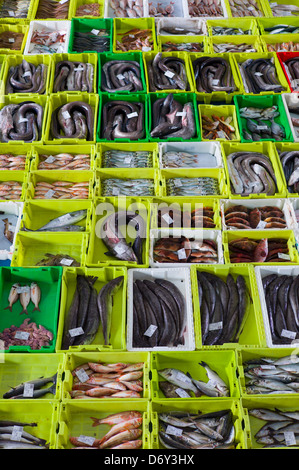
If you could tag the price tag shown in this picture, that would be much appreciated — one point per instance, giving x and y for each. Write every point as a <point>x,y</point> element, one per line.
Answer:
<point>28,390</point>
<point>173,430</point>
<point>289,438</point>
<point>115,191</point>
<point>66,262</point>
<point>215,82</point>
<point>216,326</point>
<point>128,160</point>
<point>11,40</point>
<point>49,194</point>
<point>95,31</point>
<point>261,225</point>
<point>50,159</point>
<point>16,433</point>
<point>284,256</point>
<point>82,376</point>
<point>167,218</point>
<point>63,1</point>
<point>66,115</point>
<point>132,115</point>
<point>182,377</point>
<point>76,332</point>
<point>79,69</point>
<point>150,331</point>
<point>289,334</point>
<point>120,76</point>
<point>23,120</point>
<point>169,74</point>
<point>119,249</point>
<point>181,114</point>
<point>23,289</point>
<point>182,253</point>
<point>177,182</point>
<point>182,393</point>
<point>26,74</point>
<point>258,74</point>
<point>146,49</point>
<point>221,135</point>
<point>86,440</point>
<point>262,128</point>
<point>11,13</point>
<point>23,335</point>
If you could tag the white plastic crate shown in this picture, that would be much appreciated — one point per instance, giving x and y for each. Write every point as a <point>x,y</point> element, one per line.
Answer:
<point>200,148</point>
<point>184,23</point>
<point>11,208</point>
<point>51,27</point>
<point>180,7</point>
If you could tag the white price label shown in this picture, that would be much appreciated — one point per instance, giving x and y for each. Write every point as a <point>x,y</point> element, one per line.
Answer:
<point>182,393</point>
<point>76,332</point>
<point>181,114</point>
<point>115,191</point>
<point>50,159</point>
<point>82,375</point>
<point>150,331</point>
<point>167,219</point>
<point>66,115</point>
<point>16,433</point>
<point>11,13</point>
<point>78,69</point>
<point>86,440</point>
<point>284,256</point>
<point>216,326</point>
<point>182,377</point>
<point>173,430</point>
<point>169,74</point>
<point>128,160</point>
<point>258,74</point>
<point>215,82</point>
<point>262,224</point>
<point>288,334</point>
<point>11,40</point>
<point>120,76</point>
<point>119,249</point>
<point>23,289</point>
<point>146,49</point>
<point>132,115</point>
<point>23,335</point>
<point>66,262</point>
<point>49,194</point>
<point>95,31</point>
<point>290,438</point>
<point>182,253</point>
<point>28,390</point>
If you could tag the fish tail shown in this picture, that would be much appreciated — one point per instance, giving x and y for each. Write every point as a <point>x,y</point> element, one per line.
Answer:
<point>96,421</point>
<point>36,308</point>
<point>9,308</point>
<point>24,311</point>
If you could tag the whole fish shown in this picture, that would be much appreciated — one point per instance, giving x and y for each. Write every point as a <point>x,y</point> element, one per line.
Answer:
<point>64,220</point>
<point>180,379</point>
<point>25,298</point>
<point>104,302</point>
<point>37,383</point>
<point>117,418</point>
<point>13,296</point>
<point>35,295</point>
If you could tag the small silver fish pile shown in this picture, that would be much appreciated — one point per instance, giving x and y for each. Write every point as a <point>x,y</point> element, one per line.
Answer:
<point>167,73</point>
<point>259,75</point>
<point>282,29</point>
<point>14,436</point>
<point>223,31</point>
<point>199,8</point>
<point>94,41</point>
<point>240,8</point>
<point>27,78</point>
<point>63,223</point>
<point>102,380</point>
<point>27,334</point>
<point>292,68</point>
<point>32,389</point>
<point>61,190</point>
<point>64,161</point>
<point>213,74</point>
<point>230,47</point>
<point>173,159</point>
<point>157,9</point>
<point>14,9</point>
<point>12,162</point>
<point>127,8</point>
<point>180,385</point>
<point>121,75</point>
<point>125,159</point>
<point>11,190</point>
<point>25,294</point>
<point>261,124</point>
<point>73,76</point>
<point>281,428</point>
<point>123,119</point>
<point>272,376</point>
<point>128,187</point>
<point>21,122</point>
<point>183,430</point>
<point>251,173</point>
<point>189,29</point>
<point>202,186</point>
<point>290,165</point>
<point>183,46</point>
<point>284,9</point>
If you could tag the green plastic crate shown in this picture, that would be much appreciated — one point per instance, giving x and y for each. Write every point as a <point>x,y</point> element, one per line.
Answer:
<point>132,147</point>
<point>78,3</point>
<point>86,25</point>
<point>243,23</point>
<point>220,111</point>
<point>52,150</point>
<point>121,27</point>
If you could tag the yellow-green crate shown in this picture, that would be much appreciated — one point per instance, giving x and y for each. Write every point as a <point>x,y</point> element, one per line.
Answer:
<point>224,363</point>
<point>148,57</point>
<point>281,147</point>
<point>265,23</point>
<point>75,419</point>
<point>31,247</point>
<point>261,4</point>
<point>126,147</point>
<point>15,150</point>
<point>246,24</point>
<point>75,4</point>
<point>74,360</point>
<point>273,40</point>
<point>259,235</point>
<point>199,406</point>
<point>16,60</point>
<point>11,18</point>
<point>59,99</point>
<point>123,26</point>
<point>252,332</point>
<point>20,177</point>
<point>240,58</point>
<point>52,150</point>
<point>277,3</point>
<point>127,174</point>
<point>266,148</point>
<point>44,413</point>
<point>98,253</point>
<point>219,111</point>
<point>118,319</point>
<point>253,42</point>
<point>2,65</point>
<point>91,58</point>
<point>18,368</point>
<point>53,17</point>
<point>180,40</point>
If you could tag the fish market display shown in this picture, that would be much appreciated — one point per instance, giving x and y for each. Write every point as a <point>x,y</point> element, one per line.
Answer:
<point>174,159</point>
<point>159,314</point>
<point>115,241</point>
<point>73,76</point>
<point>199,8</point>
<point>189,29</point>
<point>47,42</point>
<point>230,47</point>
<point>58,260</point>
<point>125,159</point>
<point>94,41</point>
<point>259,75</point>
<point>226,31</point>
<point>283,47</point>
<point>161,9</point>
<point>136,40</point>
<point>271,376</point>
<point>74,120</point>
<point>123,120</point>
<point>185,250</point>
<point>95,380</point>
<point>266,250</point>
<point>121,75</point>
<point>12,162</point>
<point>282,29</point>
<point>223,304</point>
<point>15,9</point>
<point>63,223</point>
<point>11,40</point>
<point>281,428</point>
<point>25,295</point>
<point>27,78</point>
<point>125,432</point>
<point>64,161</point>
<point>290,164</point>
<point>217,127</point>
<point>251,173</point>
<point>61,190</point>
<point>284,9</point>
<point>213,74</point>
<point>202,186</point>
<point>52,9</point>
<point>280,292</point>
<point>240,8</point>
<point>128,187</point>
<point>88,9</point>
<point>21,122</point>
<point>27,334</point>
<point>10,190</point>
<point>14,436</point>
<point>244,218</point>
<point>32,388</point>
<point>291,66</point>
<point>202,217</point>
<point>185,430</point>
<point>172,120</point>
<point>186,386</point>
<point>167,73</point>
<point>127,8</point>
<point>261,124</point>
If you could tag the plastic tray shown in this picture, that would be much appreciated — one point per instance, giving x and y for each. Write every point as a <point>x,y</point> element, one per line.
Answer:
<point>84,25</point>
<point>224,5</point>
<point>52,150</point>
<point>291,99</point>
<point>128,173</point>
<point>294,206</point>
<point>285,147</point>
<point>283,57</point>
<point>15,28</point>
<point>51,18</point>
<point>269,12</point>
<point>49,26</point>
<point>252,41</point>
<point>20,177</point>
<point>262,5</point>
<point>264,23</point>
<point>274,39</point>
<point>195,148</point>
<point>219,111</point>
<point>11,18</point>
<point>15,208</point>
<point>14,150</point>
<point>78,3</point>
<point>132,147</point>
<point>118,322</point>
<point>196,39</point>
<point>243,23</point>
<point>168,22</point>
<point>110,12</point>
<point>123,25</point>
<point>180,8</point>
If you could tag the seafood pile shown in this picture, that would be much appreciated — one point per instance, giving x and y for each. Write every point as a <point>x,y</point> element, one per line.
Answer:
<point>225,31</point>
<point>229,47</point>
<point>213,74</point>
<point>201,217</point>
<point>282,29</point>
<point>125,432</point>
<point>280,292</point>
<point>88,311</point>
<point>48,9</point>
<point>88,9</point>
<point>11,190</point>
<point>172,120</point>
<point>58,260</point>
<point>61,190</point>
<point>74,120</point>
<point>121,75</point>
<point>283,47</point>
<point>174,159</point>
<point>257,124</point>
<point>14,9</point>
<point>159,314</point>
<point>27,334</point>
<point>25,295</point>
<point>47,42</point>
<point>63,223</point>
<point>127,8</point>
<point>223,304</point>
<point>123,120</point>
<point>177,384</point>
<point>259,75</point>
<point>244,218</point>
<point>240,8</point>
<point>270,376</point>
<point>202,8</point>
<point>266,250</point>
<point>284,9</point>
<point>32,389</point>
<point>21,122</point>
<point>73,76</point>
<point>136,40</point>
<point>189,29</point>
<point>64,161</point>
<point>185,250</point>
<point>94,41</point>
<point>12,162</point>
<point>100,380</point>
<point>217,127</point>
<point>251,173</point>
<point>13,436</point>
<point>27,78</point>
<point>290,164</point>
<point>202,186</point>
<point>128,187</point>
<point>291,66</point>
<point>182,46</point>
<point>167,73</point>
<point>184,430</point>
<point>159,9</point>
<point>280,430</point>
<point>11,40</point>
<point>125,159</point>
